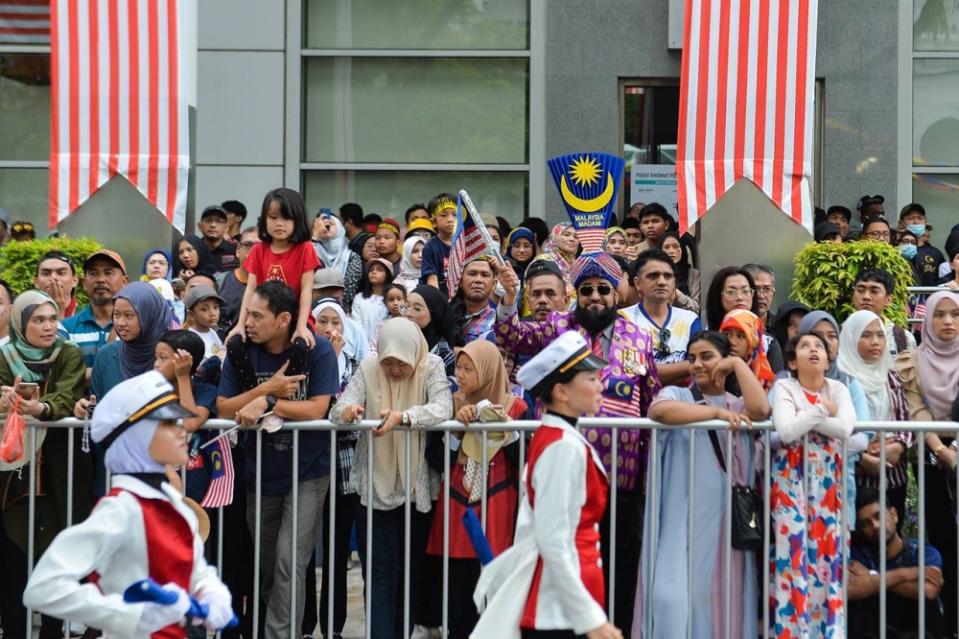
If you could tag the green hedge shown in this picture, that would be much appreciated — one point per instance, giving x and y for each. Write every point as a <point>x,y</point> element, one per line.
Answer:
<point>824,275</point>
<point>18,260</point>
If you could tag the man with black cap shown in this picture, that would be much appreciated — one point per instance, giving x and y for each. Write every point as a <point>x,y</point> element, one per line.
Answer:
<point>552,576</point>
<point>142,529</point>
<point>57,277</point>
<point>630,382</point>
<point>221,252</point>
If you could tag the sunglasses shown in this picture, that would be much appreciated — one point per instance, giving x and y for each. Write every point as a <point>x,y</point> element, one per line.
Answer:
<point>587,290</point>
<point>663,349</point>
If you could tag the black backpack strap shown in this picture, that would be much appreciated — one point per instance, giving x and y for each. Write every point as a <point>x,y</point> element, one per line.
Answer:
<point>713,438</point>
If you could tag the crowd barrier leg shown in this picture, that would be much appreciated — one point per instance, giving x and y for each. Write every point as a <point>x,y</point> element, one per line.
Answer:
<point>728,526</point>
<point>408,536</point>
<point>614,493</point>
<point>767,514</point>
<point>256,534</point>
<point>920,490</point>
<point>690,523</point>
<point>331,536</point>
<point>446,535</point>
<point>368,602</point>
<point>652,492</point>
<point>882,527</point>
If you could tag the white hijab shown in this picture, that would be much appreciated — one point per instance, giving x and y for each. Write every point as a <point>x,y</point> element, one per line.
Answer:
<point>349,348</point>
<point>407,270</point>
<point>334,252</point>
<point>130,452</point>
<point>874,377</point>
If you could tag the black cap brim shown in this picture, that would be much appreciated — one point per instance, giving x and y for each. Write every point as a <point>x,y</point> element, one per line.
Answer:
<point>591,362</point>
<point>171,411</point>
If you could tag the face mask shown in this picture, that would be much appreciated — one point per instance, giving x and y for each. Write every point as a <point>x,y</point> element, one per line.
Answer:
<point>916,229</point>
<point>908,250</point>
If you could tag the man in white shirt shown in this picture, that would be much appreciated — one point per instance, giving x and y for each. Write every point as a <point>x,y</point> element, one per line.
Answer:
<point>653,276</point>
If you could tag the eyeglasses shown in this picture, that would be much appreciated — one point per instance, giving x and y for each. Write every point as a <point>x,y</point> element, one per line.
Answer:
<point>878,235</point>
<point>733,293</point>
<point>248,245</point>
<point>587,290</point>
<point>765,290</point>
<point>663,349</point>
<point>907,240</point>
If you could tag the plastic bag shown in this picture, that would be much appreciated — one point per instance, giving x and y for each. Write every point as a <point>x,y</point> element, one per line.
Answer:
<point>14,427</point>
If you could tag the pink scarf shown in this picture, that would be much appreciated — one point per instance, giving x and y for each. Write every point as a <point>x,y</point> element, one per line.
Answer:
<point>938,370</point>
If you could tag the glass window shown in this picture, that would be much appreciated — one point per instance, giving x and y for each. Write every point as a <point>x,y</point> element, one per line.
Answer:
<point>417,24</point>
<point>24,193</point>
<point>939,194</point>
<point>935,115</point>
<point>428,110</point>
<point>935,25</point>
<point>25,106</point>
<point>390,193</point>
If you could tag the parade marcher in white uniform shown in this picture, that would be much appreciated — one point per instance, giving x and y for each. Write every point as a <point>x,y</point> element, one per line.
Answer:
<point>141,529</point>
<point>549,584</point>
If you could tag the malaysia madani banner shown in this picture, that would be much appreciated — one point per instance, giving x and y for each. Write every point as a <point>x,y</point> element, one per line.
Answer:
<point>588,184</point>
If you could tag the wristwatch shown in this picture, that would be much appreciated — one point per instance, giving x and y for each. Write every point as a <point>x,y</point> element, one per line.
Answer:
<point>406,421</point>
<point>270,402</point>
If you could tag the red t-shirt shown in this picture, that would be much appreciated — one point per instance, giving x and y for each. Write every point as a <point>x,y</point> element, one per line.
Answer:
<point>287,267</point>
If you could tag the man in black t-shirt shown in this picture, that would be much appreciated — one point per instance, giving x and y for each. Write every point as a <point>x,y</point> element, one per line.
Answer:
<point>263,379</point>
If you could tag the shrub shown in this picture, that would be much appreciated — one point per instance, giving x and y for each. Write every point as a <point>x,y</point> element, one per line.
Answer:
<point>824,275</point>
<point>18,260</point>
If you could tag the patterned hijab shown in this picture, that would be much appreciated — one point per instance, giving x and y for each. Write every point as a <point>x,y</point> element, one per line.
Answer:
<point>28,362</point>
<point>752,327</point>
<point>938,362</point>
<point>551,248</point>
<point>155,317</point>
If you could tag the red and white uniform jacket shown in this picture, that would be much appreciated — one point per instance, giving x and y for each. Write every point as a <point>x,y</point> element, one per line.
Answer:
<point>552,577</point>
<point>135,532</point>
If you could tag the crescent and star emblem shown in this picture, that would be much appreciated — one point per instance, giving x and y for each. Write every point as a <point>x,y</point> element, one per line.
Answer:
<point>592,205</point>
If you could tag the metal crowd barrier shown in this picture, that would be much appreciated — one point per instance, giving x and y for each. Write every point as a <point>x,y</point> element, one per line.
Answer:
<point>762,430</point>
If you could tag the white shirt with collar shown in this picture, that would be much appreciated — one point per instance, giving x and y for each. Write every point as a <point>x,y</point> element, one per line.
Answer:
<point>112,543</point>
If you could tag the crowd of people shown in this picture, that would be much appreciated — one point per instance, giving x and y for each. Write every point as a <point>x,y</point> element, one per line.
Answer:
<point>347,317</point>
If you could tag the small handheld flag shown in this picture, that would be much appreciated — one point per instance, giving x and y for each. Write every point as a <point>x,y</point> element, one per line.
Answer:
<point>588,184</point>
<point>470,241</point>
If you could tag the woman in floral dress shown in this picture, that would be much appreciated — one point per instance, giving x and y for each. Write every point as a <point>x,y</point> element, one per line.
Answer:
<point>806,561</point>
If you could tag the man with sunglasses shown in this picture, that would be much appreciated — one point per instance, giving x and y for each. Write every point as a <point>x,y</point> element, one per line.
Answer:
<point>630,381</point>
<point>653,276</point>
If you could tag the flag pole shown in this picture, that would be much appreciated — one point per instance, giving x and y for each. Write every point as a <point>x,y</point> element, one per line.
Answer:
<point>481,225</point>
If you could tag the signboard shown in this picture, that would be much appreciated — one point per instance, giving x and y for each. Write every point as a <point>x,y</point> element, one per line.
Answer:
<point>654,183</point>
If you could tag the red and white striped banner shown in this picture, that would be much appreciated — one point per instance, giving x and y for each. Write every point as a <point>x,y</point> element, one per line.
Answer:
<point>24,21</point>
<point>119,103</point>
<point>746,103</point>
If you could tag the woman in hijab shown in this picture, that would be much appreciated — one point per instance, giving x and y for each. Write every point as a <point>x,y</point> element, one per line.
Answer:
<point>403,385</point>
<point>930,379</point>
<point>191,256</point>
<point>410,263</point>
<point>561,247</point>
<point>864,356</point>
<point>157,265</point>
<point>520,249</point>
<point>481,376</point>
<point>431,311</point>
<point>36,355</point>
<point>688,287</point>
<point>787,322</point>
<point>330,243</point>
<point>744,330</point>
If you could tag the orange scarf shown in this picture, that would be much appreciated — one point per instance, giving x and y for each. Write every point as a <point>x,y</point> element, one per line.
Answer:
<point>752,327</point>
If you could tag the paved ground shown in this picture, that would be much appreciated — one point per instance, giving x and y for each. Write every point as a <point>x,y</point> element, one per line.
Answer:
<point>355,611</point>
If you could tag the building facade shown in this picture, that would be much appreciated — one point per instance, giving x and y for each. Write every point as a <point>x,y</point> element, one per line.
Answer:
<point>387,104</point>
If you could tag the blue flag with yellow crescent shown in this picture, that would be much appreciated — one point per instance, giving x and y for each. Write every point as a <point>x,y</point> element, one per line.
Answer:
<point>588,184</point>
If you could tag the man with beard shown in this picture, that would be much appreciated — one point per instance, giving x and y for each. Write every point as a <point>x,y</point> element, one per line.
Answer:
<point>630,382</point>
<point>104,274</point>
<point>472,301</point>
<point>902,576</point>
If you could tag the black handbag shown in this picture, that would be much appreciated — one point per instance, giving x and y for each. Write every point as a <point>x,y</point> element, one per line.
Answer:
<point>747,533</point>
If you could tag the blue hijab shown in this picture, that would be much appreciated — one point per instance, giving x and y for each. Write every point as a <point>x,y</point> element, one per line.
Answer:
<point>155,315</point>
<point>166,255</point>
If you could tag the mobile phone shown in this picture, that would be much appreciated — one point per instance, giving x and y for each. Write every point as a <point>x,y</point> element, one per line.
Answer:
<point>26,390</point>
<point>382,422</point>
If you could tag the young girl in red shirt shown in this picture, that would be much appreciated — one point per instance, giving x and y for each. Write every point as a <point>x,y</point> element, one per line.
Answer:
<point>284,253</point>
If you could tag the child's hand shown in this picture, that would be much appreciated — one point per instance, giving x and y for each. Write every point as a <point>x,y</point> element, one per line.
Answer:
<point>182,363</point>
<point>306,335</point>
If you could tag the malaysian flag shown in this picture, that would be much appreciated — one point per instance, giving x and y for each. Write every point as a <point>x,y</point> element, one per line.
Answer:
<point>746,103</point>
<point>119,102</point>
<point>469,242</point>
<point>220,491</point>
<point>24,21</point>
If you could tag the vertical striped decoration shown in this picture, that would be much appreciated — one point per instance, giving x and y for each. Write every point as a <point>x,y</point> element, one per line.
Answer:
<point>746,103</point>
<point>118,103</point>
